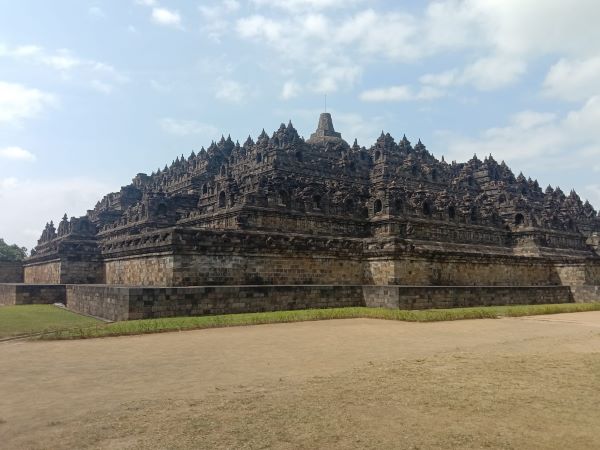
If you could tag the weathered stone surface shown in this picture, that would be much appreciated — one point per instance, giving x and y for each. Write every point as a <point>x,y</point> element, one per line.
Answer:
<point>585,294</point>
<point>43,272</point>
<point>129,303</point>
<point>11,272</point>
<point>283,210</point>
<point>65,270</point>
<point>32,294</point>
<point>429,297</point>
<point>325,131</point>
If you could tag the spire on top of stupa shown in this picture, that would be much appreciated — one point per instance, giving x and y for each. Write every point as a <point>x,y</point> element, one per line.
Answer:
<point>325,131</point>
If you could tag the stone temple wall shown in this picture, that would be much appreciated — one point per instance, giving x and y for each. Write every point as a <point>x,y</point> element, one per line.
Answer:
<point>130,303</point>
<point>201,270</point>
<point>585,294</point>
<point>428,297</point>
<point>11,272</point>
<point>32,294</point>
<point>64,272</point>
<point>150,270</point>
<point>318,268</point>
<point>463,271</point>
<point>266,269</point>
<point>43,273</point>
<point>585,273</point>
<point>82,271</point>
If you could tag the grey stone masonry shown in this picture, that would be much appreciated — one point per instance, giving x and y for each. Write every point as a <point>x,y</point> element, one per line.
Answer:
<point>11,272</point>
<point>136,302</point>
<point>32,294</point>
<point>429,297</point>
<point>129,303</point>
<point>325,131</point>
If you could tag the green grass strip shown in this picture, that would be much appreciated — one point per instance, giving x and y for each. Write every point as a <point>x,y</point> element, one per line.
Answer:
<point>231,320</point>
<point>31,319</point>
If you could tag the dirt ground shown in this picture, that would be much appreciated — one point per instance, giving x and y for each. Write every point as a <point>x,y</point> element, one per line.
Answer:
<point>506,383</point>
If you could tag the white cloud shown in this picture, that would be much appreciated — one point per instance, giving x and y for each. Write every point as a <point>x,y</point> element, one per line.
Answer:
<point>442,79</point>
<point>106,70</point>
<point>18,102</point>
<point>493,72</point>
<point>390,35</point>
<point>532,28</point>
<point>573,79</point>
<point>62,60</point>
<point>70,66</point>
<point>290,90</point>
<point>188,127</point>
<point>218,10</point>
<point>257,26</point>
<point>526,120</point>
<point>393,93</point>
<point>298,5</point>
<point>20,51</point>
<point>100,86</point>
<point>538,139</point>
<point>96,11</point>
<point>499,37</point>
<point>216,17</point>
<point>485,74</point>
<point>401,93</point>
<point>230,91</point>
<point>160,15</point>
<point>167,17</point>
<point>338,47</point>
<point>355,126</point>
<point>71,195</point>
<point>16,154</point>
<point>330,78</point>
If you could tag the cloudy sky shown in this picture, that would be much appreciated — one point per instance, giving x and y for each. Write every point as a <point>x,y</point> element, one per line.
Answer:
<point>93,92</point>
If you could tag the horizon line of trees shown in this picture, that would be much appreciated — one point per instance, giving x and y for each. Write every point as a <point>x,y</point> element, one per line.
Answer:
<point>12,252</point>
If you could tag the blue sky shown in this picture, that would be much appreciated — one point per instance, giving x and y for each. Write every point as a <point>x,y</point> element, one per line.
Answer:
<point>93,92</point>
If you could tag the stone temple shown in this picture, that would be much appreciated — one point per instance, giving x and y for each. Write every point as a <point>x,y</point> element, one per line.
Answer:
<point>283,223</point>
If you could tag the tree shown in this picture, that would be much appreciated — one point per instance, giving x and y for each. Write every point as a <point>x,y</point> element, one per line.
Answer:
<point>11,252</point>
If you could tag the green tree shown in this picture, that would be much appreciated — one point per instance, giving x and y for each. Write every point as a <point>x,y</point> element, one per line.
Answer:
<point>11,252</point>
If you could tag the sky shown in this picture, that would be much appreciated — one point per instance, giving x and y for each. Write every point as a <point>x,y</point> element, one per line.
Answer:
<point>94,92</point>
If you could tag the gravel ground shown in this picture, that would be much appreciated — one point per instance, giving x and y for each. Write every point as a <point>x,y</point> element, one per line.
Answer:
<point>508,383</point>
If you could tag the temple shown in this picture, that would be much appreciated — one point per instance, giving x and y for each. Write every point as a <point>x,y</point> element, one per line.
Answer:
<point>284,211</point>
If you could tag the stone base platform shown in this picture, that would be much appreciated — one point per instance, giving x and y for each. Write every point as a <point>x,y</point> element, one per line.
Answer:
<point>432,297</point>
<point>133,302</point>
<point>32,294</point>
<point>130,303</point>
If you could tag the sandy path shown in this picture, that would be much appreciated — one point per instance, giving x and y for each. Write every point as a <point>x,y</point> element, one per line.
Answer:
<point>203,388</point>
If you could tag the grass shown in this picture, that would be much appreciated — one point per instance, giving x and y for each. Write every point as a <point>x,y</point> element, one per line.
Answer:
<point>31,319</point>
<point>194,323</point>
